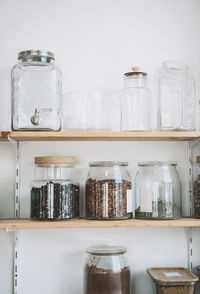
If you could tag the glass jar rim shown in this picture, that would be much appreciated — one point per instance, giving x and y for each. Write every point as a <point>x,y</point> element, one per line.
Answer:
<point>107,163</point>
<point>106,250</point>
<point>175,65</point>
<point>157,163</point>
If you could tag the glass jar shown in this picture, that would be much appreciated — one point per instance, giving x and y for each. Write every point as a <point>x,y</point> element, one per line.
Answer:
<point>36,92</point>
<point>108,191</point>
<point>196,189</point>
<point>135,102</point>
<point>176,95</point>
<point>107,271</point>
<point>157,191</point>
<point>86,111</point>
<point>54,195</point>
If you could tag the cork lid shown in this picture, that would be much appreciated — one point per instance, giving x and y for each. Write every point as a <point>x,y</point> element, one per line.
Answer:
<point>45,161</point>
<point>172,276</point>
<point>198,159</point>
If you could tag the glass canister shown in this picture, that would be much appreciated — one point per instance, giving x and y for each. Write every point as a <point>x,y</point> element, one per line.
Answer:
<point>36,92</point>
<point>157,191</point>
<point>54,195</point>
<point>176,95</point>
<point>86,111</point>
<point>107,271</point>
<point>108,191</point>
<point>196,189</point>
<point>135,102</point>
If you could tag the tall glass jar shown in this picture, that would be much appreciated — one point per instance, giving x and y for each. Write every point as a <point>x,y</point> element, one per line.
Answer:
<point>54,194</point>
<point>108,191</point>
<point>107,271</point>
<point>86,111</point>
<point>196,189</point>
<point>157,191</point>
<point>176,96</point>
<point>135,102</point>
<point>36,92</point>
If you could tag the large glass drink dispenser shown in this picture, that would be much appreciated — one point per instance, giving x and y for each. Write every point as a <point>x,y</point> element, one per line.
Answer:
<point>176,97</point>
<point>36,91</point>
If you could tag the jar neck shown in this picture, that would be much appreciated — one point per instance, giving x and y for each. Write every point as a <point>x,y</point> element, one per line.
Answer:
<point>174,67</point>
<point>135,81</point>
<point>35,58</point>
<point>53,173</point>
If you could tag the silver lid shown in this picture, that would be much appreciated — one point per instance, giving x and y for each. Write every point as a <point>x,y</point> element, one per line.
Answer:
<point>39,53</point>
<point>157,163</point>
<point>106,250</point>
<point>108,163</point>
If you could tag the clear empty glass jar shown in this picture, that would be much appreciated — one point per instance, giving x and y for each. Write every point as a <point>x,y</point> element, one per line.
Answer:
<point>107,271</point>
<point>54,194</point>
<point>176,95</point>
<point>196,189</point>
<point>86,111</point>
<point>135,103</point>
<point>108,191</point>
<point>157,191</point>
<point>36,92</point>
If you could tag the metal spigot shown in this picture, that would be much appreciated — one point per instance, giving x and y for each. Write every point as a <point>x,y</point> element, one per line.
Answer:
<point>36,119</point>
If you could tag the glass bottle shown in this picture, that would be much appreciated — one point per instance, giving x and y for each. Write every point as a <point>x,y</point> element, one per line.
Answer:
<point>36,92</point>
<point>196,189</point>
<point>157,191</point>
<point>176,96</point>
<point>54,194</point>
<point>107,271</point>
<point>108,191</point>
<point>135,102</point>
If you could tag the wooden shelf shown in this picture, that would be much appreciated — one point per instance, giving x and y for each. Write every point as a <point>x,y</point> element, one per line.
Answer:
<point>82,223</point>
<point>99,136</point>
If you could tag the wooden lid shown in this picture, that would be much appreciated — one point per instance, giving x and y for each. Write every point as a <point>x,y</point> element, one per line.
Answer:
<point>172,276</point>
<point>198,159</point>
<point>45,161</point>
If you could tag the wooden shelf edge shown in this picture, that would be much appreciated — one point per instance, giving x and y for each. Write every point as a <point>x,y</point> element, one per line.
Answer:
<point>99,136</point>
<point>83,223</point>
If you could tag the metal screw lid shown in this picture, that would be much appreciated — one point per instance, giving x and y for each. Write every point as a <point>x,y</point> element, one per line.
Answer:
<point>39,53</point>
<point>135,72</point>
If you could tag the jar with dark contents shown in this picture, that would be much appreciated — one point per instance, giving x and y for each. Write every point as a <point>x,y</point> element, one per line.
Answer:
<point>108,191</point>
<point>196,189</point>
<point>106,271</point>
<point>54,195</point>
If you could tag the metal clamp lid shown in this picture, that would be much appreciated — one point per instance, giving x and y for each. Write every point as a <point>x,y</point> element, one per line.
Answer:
<point>38,53</point>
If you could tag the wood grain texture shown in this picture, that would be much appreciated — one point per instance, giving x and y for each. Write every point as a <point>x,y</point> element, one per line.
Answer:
<point>102,136</point>
<point>83,223</point>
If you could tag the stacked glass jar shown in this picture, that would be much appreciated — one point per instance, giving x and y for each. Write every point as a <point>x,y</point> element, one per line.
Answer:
<point>54,195</point>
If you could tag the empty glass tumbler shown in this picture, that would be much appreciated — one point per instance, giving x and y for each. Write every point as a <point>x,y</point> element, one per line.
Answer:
<point>107,271</point>
<point>135,102</point>
<point>36,91</point>
<point>157,191</point>
<point>176,97</point>
<point>86,111</point>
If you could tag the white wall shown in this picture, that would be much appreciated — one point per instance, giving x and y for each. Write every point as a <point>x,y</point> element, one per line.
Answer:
<point>95,42</point>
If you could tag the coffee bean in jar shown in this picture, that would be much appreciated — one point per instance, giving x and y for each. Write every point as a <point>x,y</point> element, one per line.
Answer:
<point>108,191</point>
<point>106,271</point>
<point>196,190</point>
<point>54,195</point>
